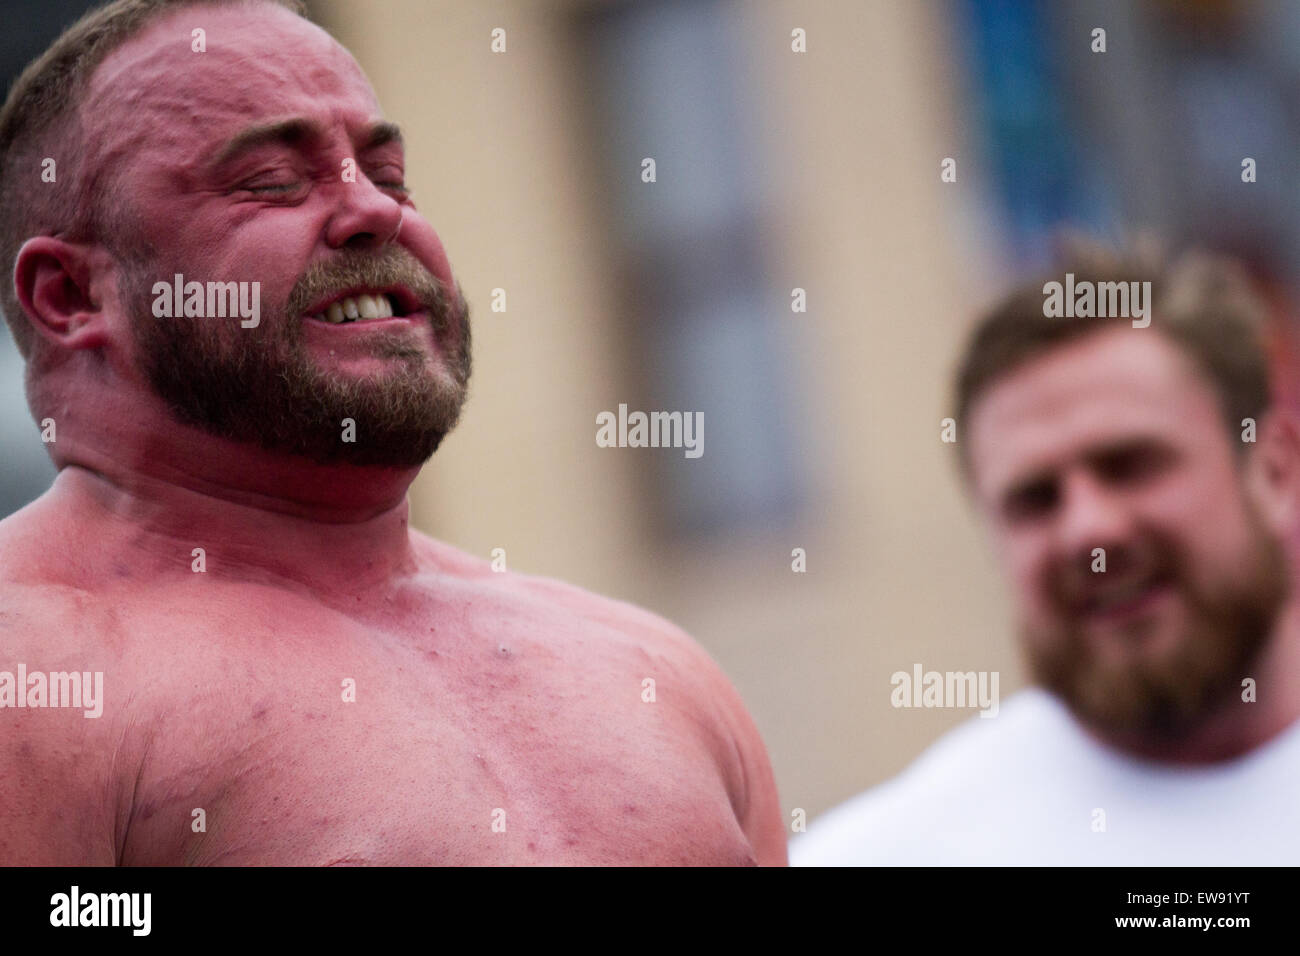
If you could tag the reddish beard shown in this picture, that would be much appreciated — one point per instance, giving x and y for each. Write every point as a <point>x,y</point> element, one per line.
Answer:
<point>1166,693</point>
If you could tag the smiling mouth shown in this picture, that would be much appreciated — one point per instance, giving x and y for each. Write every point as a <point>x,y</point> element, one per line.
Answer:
<point>361,307</point>
<point>1129,599</point>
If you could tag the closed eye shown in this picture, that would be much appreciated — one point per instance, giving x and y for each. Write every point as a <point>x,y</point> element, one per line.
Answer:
<point>389,176</point>
<point>273,182</point>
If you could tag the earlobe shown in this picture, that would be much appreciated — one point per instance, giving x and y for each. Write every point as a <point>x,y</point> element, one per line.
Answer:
<point>52,278</point>
<point>1276,470</point>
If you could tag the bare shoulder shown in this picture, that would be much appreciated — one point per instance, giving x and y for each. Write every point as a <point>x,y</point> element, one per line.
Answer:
<point>636,628</point>
<point>684,672</point>
<point>42,543</point>
<point>670,665</point>
<point>18,534</point>
<point>41,600</point>
<point>57,787</point>
<point>29,595</point>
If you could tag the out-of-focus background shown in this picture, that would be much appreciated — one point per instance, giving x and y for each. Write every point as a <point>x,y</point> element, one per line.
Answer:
<point>778,169</point>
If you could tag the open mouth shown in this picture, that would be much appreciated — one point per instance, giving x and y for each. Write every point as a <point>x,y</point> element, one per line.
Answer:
<point>1126,599</point>
<point>365,307</point>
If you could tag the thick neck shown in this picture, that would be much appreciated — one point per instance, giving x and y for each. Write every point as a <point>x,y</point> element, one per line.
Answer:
<point>165,489</point>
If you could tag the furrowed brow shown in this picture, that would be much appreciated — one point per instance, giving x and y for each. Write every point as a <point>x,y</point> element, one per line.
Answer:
<point>291,132</point>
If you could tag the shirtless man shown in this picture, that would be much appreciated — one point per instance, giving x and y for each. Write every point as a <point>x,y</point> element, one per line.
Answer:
<point>319,684</point>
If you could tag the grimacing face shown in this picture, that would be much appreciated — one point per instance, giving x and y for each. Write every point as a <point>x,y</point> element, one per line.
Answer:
<point>231,163</point>
<point>1117,442</point>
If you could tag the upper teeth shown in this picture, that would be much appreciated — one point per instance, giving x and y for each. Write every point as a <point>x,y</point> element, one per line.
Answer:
<point>358,307</point>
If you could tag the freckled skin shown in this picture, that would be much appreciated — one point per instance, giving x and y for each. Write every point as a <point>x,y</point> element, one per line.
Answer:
<point>474,691</point>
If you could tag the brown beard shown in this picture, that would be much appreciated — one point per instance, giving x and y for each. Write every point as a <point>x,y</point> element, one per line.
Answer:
<point>1166,697</point>
<point>260,385</point>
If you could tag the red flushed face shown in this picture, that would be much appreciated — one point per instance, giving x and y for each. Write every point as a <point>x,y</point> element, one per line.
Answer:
<point>264,161</point>
<point>1145,574</point>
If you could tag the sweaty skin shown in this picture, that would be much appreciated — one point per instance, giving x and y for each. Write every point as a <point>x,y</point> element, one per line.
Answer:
<point>480,697</point>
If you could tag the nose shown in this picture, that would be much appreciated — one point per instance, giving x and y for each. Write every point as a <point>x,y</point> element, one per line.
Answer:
<point>1091,516</point>
<point>366,217</point>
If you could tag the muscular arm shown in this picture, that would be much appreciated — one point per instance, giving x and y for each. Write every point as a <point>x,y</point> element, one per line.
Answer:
<point>56,807</point>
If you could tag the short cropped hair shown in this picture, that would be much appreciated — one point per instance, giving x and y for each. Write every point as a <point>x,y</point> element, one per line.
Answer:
<point>1205,305</point>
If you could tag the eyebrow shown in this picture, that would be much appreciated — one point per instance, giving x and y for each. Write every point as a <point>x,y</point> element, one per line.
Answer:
<point>1094,457</point>
<point>293,132</point>
<point>286,132</point>
<point>381,134</point>
<point>1134,444</point>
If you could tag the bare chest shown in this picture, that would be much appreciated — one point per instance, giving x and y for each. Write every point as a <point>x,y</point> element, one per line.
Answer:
<point>444,738</point>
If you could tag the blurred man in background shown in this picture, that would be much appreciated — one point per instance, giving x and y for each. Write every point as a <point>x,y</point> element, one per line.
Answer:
<point>1139,489</point>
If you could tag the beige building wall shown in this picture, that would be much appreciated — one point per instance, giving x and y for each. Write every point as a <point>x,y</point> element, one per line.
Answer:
<point>895,265</point>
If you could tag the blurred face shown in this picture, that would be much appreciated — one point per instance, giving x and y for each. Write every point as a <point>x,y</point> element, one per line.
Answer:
<point>1116,442</point>
<point>265,159</point>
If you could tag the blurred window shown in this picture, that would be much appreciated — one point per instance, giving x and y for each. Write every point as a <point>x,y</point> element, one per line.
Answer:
<point>706,330</point>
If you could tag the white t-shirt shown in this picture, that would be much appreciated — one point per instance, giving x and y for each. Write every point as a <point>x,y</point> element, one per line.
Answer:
<point>1025,788</point>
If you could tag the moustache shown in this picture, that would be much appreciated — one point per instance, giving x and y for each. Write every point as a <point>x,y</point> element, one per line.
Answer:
<point>393,267</point>
<point>1078,583</point>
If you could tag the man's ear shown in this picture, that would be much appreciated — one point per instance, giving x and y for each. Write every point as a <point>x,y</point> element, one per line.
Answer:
<point>1273,470</point>
<point>52,278</point>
